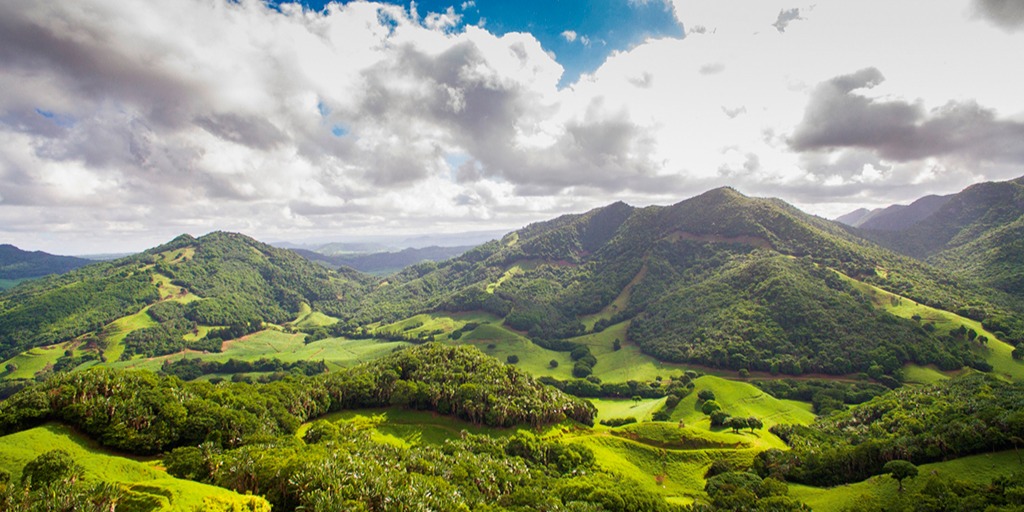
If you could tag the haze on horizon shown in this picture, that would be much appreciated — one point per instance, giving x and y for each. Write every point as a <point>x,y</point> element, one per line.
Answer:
<point>124,124</point>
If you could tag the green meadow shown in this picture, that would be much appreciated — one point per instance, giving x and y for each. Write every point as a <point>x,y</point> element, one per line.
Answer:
<point>33,361</point>
<point>978,469</point>
<point>145,485</point>
<point>996,352</point>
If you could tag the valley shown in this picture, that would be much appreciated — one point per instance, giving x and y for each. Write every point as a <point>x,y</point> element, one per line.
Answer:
<point>702,356</point>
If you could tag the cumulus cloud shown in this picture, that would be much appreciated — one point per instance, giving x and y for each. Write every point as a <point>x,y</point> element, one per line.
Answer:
<point>839,117</point>
<point>137,121</point>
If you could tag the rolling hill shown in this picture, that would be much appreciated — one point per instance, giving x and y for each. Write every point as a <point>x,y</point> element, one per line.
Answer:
<point>221,279</point>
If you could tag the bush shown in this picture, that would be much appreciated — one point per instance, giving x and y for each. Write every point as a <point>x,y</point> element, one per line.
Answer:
<point>512,359</point>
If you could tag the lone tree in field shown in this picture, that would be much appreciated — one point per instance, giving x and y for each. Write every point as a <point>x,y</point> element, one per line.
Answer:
<point>736,424</point>
<point>900,469</point>
<point>553,364</point>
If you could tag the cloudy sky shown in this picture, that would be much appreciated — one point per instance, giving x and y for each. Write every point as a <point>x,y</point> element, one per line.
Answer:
<point>123,124</point>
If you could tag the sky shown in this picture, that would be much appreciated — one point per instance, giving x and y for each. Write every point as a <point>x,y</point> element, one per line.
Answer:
<point>124,124</point>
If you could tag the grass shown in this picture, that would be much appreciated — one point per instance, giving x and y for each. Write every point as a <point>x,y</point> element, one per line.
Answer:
<point>996,352</point>
<point>608,408</point>
<point>627,363</point>
<point>980,469</point>
<point>308,318</point>
<point>336,352</point>
<point>445,322</point>
<point>404,428</point>
<point>533,359</point>
<point>117,330</point>
<point>143,481</point>
<point>743,400</point>
<point>33,361</point>
<point>915,374</point>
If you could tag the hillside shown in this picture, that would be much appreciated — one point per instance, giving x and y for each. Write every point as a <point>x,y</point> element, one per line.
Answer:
<point>975,234</point>
<point>17,265</point>
<point>221,279</point>
<point>721,279</point>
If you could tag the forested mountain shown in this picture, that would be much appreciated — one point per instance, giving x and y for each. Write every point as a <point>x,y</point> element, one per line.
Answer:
<point>976,234</point>
<point>237,280</point>
<point>720,279</point>
<point>382,262</point>
<point>895,217</point>
<point>18,264</point>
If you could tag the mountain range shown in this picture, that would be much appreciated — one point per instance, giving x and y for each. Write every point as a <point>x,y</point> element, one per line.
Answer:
<point>721,280</point>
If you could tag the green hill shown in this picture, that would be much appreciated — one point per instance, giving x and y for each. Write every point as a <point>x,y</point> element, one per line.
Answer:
<point>721,279</point>
<point>221,279</point>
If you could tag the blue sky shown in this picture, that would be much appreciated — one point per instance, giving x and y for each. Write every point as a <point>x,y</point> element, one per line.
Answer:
<point>601,26</point>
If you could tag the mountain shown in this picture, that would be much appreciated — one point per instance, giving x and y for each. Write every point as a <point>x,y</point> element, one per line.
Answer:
<point>720,279</point>
<point>384,262</point>
<point>856,217</point>
<point>895,217</point>
<point>221,279</point>
<point>18,264</point>
<point>976,234</point>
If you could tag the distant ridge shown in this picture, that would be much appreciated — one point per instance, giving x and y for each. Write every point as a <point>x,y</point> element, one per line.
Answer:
<point>18,264</point>
<point>382,262</point>
<point>895,217</point>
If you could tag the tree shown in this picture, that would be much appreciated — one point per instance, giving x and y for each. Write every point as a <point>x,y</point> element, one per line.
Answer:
<point>512,359</point>
<point>705,395</point>
<point>709,407</point>
<point>51,467</point>
<point>736,424</point>
<point>899,470</point>
<point>617,344</point>
<point>11,367</point>
<point>754,423</point>
<point>553,364</point>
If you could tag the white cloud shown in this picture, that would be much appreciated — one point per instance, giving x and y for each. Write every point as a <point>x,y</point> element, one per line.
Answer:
<point>138,121</point>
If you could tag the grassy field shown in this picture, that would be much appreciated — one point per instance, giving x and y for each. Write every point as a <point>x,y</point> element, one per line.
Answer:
<point>33,360</point>
<point>914,374</point>
<point>404,428</point>
<point>308,318</point>
<point>144,483</point>
<point>533,359</point>
<point>976,468</point>
<point>743,400</point>
<point>119,329</point>
<point>446,322</point>
<point>608,408</point>
<point>996,352</point>
<point>336,352</point>
<point>627,363</point>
